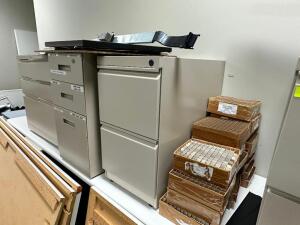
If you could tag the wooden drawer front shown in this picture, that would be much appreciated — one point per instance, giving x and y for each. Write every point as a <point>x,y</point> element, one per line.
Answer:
<point>66,68</point>
<point>23,184</point>
<point>102,212</point>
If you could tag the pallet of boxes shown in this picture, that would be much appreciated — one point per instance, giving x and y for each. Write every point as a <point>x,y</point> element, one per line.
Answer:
<point>209,169</point>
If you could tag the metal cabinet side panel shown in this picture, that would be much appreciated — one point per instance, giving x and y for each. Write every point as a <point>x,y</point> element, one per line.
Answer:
<point>278,210</point>
<point>41,118</point>
<point>284,171</point>
<point>92,112</point>
<point>186,86</point>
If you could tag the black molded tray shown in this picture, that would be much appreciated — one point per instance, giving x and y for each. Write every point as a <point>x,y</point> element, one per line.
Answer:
<point>108,46</point>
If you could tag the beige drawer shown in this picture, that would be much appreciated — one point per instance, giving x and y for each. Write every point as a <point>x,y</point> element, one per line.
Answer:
<point>40,118</point>
<point>102,212</point>
<point>66,67</point>
<point>38,89</point>
<point>68,96</point>
<point>73,139</point>
<point>35,68</point>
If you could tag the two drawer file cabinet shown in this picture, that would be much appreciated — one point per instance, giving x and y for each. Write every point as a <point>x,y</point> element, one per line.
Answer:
<point>147,106</point>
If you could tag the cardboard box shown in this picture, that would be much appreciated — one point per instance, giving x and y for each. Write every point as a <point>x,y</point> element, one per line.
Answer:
<point>199,190</point>
<point>233,107</point>
<point>177,215</point>
<point>223,131</point>
<point>208,161</point>
<point>195,208</point>
<point>251,144</point>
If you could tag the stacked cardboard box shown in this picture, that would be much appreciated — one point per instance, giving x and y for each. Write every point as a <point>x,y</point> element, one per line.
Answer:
<point>209,169</point>
<point>238,111</point>
<point>201,182</point>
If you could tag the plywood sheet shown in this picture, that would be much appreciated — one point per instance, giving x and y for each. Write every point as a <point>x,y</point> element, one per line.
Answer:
<point>101,212</point>
<point>27,197</point>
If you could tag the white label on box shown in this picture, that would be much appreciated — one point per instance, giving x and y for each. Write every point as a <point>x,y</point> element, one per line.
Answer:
<point>58,72</point>
<point>77,88</point>
<point>226,108</point>
<point>201,171</point>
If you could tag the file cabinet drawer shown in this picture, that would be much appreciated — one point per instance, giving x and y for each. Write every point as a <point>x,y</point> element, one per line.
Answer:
<point>36,69</point>
<point>69,96</point>
<point>130,100</point>
<point>40,118</point>
<point>73,139</point>
<point>130,161</point>
<point>38,89</point>
<point>66,68</point>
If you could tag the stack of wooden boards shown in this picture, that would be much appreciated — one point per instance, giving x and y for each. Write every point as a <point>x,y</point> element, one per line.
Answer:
<point>209,169</point>
<point>35,190</point>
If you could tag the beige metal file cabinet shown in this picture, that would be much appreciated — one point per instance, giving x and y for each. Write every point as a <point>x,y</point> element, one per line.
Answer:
<point>35,82</point>
<point>74,94</point>
<point>147,106</point>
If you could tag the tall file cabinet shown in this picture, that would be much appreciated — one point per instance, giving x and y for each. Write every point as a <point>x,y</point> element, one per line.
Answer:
<point>74,94</point>
<point>35,82</point>
<point>147,106</point>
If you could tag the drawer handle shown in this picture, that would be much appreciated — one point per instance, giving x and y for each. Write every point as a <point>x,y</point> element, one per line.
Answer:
<point>64,67</point>
<point>66,96</point>
<point>68,122</point>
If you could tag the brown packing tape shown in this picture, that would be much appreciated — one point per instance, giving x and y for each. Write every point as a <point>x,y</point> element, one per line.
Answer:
<point>198,209</point>
<point>201,191</point>
<point>242,109</point>
<point>179,216</point>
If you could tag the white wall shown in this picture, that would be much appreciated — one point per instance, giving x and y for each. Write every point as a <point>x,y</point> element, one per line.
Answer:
<point>14,14</point>
<point>259,39</point>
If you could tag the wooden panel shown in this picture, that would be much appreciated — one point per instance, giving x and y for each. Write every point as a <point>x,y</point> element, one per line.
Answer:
<point>101,212</point>
<point>20,139</point>
<point>21,200</point>
<point>64,187</point>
